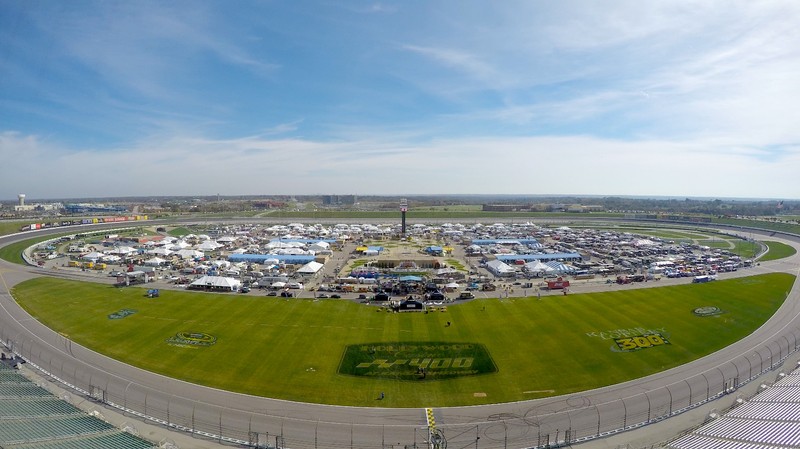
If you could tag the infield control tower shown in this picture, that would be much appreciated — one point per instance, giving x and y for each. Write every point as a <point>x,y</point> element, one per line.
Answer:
<point>403,210</point>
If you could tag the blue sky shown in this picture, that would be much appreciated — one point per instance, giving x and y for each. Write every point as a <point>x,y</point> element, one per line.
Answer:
<point>675,98</point>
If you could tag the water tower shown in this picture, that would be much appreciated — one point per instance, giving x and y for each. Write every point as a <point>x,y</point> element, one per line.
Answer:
<point>21,197</point>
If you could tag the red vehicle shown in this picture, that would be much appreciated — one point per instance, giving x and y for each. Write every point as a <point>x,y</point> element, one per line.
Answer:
<point>557,284</point>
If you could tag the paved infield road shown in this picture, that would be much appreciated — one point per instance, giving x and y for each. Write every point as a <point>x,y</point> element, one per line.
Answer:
<point>242,418</point>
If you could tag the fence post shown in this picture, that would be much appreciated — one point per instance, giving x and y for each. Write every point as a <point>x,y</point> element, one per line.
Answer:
<point>750,372</point>
<point>708,386</point>
<point>761,362</point>
<point>770,356</point>
<point>670,401</point>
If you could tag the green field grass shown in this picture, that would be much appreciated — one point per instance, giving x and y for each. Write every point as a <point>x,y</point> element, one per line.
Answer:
<point>13,252</point>
<point>669,234</point>
<point>745,248</point>
<point>715,243</point>
<point>777,250</point>
<point>179,231</point>
<point>291,349</point>
<point>10,227</point>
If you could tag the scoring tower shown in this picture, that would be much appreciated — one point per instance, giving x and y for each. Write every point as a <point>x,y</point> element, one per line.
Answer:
<point>403,210</point>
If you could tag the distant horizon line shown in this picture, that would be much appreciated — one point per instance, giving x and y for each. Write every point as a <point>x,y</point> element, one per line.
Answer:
<point>409,195</point>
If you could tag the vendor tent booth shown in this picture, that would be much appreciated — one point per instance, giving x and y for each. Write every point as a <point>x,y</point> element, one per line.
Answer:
<point>218,283</point>
<point>310,268</point>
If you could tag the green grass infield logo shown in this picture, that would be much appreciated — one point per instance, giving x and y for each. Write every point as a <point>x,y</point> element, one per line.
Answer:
<point>707,311</point>
<point>192,339</point>
<point>121,314</point>
<point>630,344</point>
<point>416,361</point>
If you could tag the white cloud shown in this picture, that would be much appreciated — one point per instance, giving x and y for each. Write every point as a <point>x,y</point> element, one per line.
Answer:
<point>459,60</point>
<point>537,165</point>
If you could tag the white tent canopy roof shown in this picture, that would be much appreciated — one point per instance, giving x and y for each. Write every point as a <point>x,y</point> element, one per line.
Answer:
<point>190,253</point>
<point>217,282</point>
<point>538,266</point>
<point>310,268</point>
<point>94,255</point>
<point>123,250</point>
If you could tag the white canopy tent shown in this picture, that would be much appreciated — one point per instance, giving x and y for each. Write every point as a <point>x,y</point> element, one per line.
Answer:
<point>190,253</point>
<point>159,252</point>
<point>94,255</point>
<point>560,267</point>
<point>216,283</point>
<point>154,262</point>
<point>310,268</point>
<point>208,245</point>
<point>537,266</point>
<point>111,258</point>
<point>123,250</point>
<point>500,268</point>
<point>320,246</point>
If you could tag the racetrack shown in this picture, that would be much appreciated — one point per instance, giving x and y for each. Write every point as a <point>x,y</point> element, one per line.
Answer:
<point>533,423</point>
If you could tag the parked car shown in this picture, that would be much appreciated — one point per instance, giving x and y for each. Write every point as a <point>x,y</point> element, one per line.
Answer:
<point>323,295</point>
<point>335,296</point>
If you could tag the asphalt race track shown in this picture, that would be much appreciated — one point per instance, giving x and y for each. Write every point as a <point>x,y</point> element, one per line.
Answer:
<point>244,419</point>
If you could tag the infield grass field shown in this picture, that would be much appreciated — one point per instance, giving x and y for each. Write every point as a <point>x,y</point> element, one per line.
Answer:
<point>777,250</point>
<point>292,348</point>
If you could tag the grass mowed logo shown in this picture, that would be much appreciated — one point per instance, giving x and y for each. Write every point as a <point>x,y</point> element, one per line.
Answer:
<point>629,344</point>
<point>707,311</point>
<point>416,361</point>
<point>192,340</point>
<point>121,314</point>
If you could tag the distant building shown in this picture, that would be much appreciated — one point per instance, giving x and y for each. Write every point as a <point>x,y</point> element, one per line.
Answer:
<point>84,208</point>
<point>268,204</point>
<point>506,207</point>
<point>37,207</point>
<point>338,200</point>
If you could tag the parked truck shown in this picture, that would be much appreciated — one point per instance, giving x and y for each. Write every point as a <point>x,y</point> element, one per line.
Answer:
<point>557,284</point>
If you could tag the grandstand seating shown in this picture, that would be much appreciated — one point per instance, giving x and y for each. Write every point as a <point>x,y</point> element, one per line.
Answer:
<point>33,418</point>
<point>118,440</point>
<point>771,420</point>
